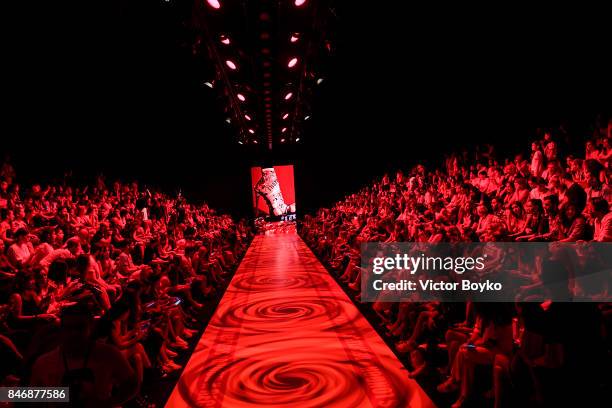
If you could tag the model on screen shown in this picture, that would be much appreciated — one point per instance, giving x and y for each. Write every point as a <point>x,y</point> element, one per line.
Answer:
<point>269,189</point>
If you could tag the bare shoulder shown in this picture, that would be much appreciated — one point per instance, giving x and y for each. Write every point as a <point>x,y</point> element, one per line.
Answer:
<point>49,358</point>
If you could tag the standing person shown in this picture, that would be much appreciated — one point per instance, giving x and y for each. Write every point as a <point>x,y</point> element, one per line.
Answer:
<point>537,160</point>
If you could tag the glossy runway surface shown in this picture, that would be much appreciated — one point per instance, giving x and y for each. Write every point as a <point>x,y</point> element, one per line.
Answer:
<point>286,335</point>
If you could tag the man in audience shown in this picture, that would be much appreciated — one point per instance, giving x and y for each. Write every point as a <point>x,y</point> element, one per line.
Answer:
<point>479,200</point>
<point>83,248</point>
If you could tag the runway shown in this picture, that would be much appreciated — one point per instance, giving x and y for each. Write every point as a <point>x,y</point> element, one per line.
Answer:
<point>286,335</point>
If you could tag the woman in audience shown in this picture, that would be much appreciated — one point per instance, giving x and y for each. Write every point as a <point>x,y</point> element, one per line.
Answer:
<point>476,199</point>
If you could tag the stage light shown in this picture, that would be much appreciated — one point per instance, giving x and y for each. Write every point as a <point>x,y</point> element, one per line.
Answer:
<point>288,96</point>
<point>306,117</point>
<point>231,64</point>
<point>294,37</point>
<point>209,84</point>
<point>247,117</point>
<point>228,120</point>
<point>255,141</point>
<point>297,139</point>
<point>239,142</point>
<point>285,116</point>
<point>251,131</point>
<point>241,97</point>
<point>283,130</point>
<point>292,62</point>
<point>216,5</point>
<point>225,40</point>
<point>282,140</point>
<point>319,81</point>
<point>298,3</point>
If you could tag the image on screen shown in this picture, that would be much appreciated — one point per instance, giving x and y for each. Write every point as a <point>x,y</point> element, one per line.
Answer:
<point>273,192</point>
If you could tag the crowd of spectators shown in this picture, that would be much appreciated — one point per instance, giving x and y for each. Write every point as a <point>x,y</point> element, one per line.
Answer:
<point>102,285</point>
<point>526,352</point>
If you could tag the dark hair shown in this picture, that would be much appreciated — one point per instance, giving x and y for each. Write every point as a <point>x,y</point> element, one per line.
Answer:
<point>58,271</point>
<point>20,233</point>
<point>600,205</point>
<point>45,236</point>
<point>78,310</point>
<point>82,262</point>
<point>553,198</point>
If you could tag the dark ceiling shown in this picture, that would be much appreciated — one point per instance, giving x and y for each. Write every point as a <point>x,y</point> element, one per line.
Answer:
<point>118,86</point>
<point>264,58</point>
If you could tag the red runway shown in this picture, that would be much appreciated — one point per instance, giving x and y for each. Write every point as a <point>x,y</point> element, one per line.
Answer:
<point>286,335</point>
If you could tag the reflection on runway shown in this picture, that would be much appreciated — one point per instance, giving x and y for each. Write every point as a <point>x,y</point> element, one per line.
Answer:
<point>286,335</point>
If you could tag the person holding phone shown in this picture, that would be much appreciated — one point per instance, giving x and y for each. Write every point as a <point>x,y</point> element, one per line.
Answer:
<point>492,336</point>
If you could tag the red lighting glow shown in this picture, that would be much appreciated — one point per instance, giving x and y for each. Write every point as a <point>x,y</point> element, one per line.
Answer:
<point>216,5</point>
<point>288,96</point>
<point>292,62</point>
<point>241,97</point>
<point>298,3</point>
<point>231,64</point>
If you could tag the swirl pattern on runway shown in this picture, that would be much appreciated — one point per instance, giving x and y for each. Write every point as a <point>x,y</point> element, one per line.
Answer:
<point>286,335</point>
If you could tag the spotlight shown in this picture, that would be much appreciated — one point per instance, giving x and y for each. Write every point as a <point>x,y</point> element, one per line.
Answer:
<point>225,40</point>
<point>297,139</point>
<point>285,116</point>
<point>292,62</point>
<point>251,131</point>
<point>319,81</point>
<point>216,5</point>
<point>288,96</point>
<point>247,117</point>
<point>282,140</point>
<point>298,3</point>
<point>240,142</point>
<point>228,120</point>
<point>209,84</point>
<point>241,97</point>
<point>306,117</point>
<point>283,130</point>
<point>255,141</point>
<point>231,64</point>
<point>294,37</point>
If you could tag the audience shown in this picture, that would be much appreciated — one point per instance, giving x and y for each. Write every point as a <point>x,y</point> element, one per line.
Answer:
<point>484,198</point>
<point>99,286</point>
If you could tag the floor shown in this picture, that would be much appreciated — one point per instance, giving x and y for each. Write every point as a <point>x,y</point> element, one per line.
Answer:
<point>286,335</point>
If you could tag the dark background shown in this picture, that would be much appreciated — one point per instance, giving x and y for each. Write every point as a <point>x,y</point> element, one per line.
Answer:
<point>111,87</point>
